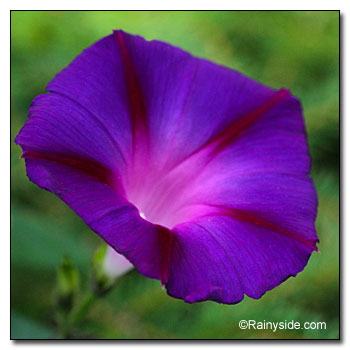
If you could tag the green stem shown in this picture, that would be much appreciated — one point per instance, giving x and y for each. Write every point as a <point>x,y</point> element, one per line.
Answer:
<point>68,321</point>
<point>62,329</point>
<point>80,311</point>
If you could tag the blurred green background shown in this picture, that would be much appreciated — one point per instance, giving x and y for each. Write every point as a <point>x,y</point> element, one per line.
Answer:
<point>296,50</point>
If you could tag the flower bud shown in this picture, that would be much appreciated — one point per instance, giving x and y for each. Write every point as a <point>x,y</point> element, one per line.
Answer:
<point>68,282</point>
<point>107,266</point>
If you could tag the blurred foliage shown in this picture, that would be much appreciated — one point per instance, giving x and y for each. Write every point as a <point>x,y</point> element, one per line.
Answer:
<point>68,283</point>
<point>297,50</point>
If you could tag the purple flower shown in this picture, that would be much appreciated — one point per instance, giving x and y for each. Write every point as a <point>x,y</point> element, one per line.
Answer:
<point>197,174</point>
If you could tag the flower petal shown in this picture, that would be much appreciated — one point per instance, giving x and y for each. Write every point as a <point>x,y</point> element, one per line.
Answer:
<point>221,258</point>
<point>269,143</point>
<point>250,212</point>
<point>106,212</point>
<point>59,127</point>
<point>95,82</point>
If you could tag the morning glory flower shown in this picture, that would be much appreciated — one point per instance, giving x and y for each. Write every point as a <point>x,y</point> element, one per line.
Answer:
<point>195,173</point>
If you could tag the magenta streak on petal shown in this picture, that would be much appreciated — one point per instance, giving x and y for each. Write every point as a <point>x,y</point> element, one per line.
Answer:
<point>225,137</point>
<point>246,216</point>
<point>166,238</point>
<point>228,135</point>
<point>87,166</point>
<point>216,144</point>
<point>198,159</point>
<point>136,101</point>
